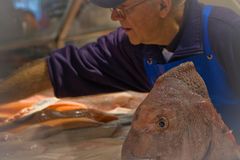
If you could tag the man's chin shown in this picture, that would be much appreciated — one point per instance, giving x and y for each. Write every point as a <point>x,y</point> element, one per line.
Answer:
<point>137,41</point>
<point>134,41</point>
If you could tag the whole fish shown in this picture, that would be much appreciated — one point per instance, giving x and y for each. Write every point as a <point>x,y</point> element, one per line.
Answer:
<point>49,112</point>
<point>177,121</point>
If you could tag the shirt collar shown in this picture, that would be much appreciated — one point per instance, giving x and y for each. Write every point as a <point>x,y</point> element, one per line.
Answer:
<point>188,41</point>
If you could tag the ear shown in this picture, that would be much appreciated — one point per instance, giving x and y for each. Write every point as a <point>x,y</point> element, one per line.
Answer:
<point>165,7</point>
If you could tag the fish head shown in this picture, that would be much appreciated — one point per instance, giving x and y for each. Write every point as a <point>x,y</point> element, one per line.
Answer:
<point>174,121</point>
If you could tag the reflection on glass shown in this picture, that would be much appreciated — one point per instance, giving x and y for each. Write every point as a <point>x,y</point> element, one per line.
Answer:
<point>90,23</point>
<point>31,6</point>
<point>28,19</point>
<point>11,60</point>
<point>90,19</point>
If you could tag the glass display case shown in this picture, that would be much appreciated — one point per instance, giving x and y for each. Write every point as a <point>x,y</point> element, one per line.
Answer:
<point>26,22</point>
<point>31,29</point>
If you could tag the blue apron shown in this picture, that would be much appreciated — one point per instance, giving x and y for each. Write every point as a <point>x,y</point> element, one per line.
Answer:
<point>212,73</point>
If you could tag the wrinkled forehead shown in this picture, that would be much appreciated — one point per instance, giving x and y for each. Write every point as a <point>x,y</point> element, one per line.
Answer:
<point>107,3</point>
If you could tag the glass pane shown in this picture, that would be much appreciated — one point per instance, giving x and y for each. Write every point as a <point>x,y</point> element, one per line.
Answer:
<point>30,20</point>
<point>232,4</point>
<point>91,19</point>
<point>11,60</point>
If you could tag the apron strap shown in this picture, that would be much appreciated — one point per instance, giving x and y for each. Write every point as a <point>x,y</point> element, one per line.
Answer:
<point>207,47</point>
<point>152,70</point>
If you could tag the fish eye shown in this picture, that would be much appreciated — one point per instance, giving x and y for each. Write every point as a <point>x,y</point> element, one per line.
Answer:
<point>163,123</point>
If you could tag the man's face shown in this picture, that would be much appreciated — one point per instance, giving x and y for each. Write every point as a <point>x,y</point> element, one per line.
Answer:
<point>143,22</point>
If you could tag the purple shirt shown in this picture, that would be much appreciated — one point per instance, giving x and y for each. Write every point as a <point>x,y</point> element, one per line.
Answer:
<point>113,64</point>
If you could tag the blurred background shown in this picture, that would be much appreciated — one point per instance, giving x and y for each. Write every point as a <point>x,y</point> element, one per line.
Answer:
<point>31,29</point>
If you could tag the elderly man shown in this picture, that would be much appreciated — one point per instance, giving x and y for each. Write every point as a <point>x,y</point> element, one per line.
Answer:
<point>155,35</point>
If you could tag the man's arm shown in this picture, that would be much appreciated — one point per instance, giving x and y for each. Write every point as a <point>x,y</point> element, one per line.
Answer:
<point>29,79</point>
<point>110,64</point>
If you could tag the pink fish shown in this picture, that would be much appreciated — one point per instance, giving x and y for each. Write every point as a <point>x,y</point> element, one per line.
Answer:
<point>177,121</point>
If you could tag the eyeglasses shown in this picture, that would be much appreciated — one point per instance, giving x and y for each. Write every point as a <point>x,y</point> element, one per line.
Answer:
<point>122,12</point>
